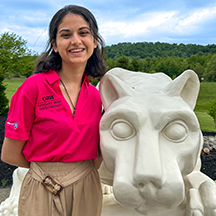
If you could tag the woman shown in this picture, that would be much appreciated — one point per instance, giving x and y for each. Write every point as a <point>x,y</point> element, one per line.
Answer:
<point>53,122</point>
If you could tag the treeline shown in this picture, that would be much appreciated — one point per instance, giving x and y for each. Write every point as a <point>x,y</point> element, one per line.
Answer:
<point>149,49</point>
<point>204,66</point>
<point>171,59</point>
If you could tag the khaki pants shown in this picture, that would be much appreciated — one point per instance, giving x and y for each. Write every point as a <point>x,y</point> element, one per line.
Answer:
<point>81,194</point>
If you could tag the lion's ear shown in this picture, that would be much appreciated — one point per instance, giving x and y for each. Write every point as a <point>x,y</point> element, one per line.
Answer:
<point>112,88</point>
<point>186,86</point>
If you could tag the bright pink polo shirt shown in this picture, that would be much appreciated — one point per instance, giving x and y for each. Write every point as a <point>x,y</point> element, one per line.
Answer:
<point>40,114</point>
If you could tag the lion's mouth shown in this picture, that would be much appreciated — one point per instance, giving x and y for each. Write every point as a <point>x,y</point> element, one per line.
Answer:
<point>148,199</point>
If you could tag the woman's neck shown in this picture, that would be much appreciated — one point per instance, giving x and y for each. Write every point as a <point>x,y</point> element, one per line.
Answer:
<point>71,75</point>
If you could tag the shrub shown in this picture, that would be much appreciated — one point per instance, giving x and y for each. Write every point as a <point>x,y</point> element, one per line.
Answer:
<point>212,110</point>
<point>4,103</point>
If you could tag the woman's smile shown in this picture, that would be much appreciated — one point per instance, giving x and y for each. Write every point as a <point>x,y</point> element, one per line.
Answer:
<point>76,50</point>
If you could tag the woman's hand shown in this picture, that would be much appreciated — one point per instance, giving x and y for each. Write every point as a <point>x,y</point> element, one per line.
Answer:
<point>98,161</point>
<point>12,153</point>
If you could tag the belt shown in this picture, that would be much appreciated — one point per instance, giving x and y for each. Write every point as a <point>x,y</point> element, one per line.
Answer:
<point>57,187</point>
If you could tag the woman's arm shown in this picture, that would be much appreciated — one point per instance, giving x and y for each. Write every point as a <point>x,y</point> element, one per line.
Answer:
<point>12,153</point>
<point>99,159</point>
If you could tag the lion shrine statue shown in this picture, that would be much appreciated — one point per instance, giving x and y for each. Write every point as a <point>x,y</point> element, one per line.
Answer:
<point>151,143</point>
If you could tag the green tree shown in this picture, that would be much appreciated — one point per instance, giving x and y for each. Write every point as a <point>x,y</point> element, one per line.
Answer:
<point>184,65</point>
<point>172,67</point>
<point>26,65</point>
<point>136,65</point>
<point>111,63</point>
<point>160,65</point>
<point>94,81</point>
<point>167,65</point>
<point>4,103</point>
<point>13,51</point>
<point>146,64</point>
<point>199,69</point>
<point>210,74</point>
<point>123,62</point>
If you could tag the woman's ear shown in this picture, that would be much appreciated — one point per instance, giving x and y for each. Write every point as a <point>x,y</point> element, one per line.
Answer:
<point>95,43</point>
<point>54,46</point>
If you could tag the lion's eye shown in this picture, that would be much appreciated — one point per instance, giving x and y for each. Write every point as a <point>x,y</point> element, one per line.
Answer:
<point>122,130</point>
<point>175,131</point>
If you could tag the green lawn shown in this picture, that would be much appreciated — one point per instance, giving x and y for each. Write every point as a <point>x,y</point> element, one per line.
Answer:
<point>206,122</point>
<point>12,85</point>
<point>206,94</point>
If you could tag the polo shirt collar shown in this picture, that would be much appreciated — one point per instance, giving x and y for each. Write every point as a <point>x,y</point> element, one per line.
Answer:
<point>85,79</point>
<point>52,76</point>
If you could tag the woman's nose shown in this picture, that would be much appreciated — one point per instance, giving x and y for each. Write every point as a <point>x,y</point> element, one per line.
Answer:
<point>75,40</point>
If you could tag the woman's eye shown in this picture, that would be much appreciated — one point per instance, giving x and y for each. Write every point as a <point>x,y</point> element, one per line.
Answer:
<point>84,33</point>
<point>122,130</point>
<point>175,131</point>
<point>65,35</point>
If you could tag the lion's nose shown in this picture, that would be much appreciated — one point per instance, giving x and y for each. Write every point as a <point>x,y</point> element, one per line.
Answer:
<point>148,165</point>
<point>141,181</point>
<point>148,176</point>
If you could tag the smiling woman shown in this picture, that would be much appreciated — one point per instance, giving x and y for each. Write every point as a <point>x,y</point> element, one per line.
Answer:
<point>95,65</point>
<point>74,41</point>
<point>57,134</point>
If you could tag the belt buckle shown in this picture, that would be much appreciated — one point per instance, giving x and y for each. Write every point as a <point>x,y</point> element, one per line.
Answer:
<point>52,185</point>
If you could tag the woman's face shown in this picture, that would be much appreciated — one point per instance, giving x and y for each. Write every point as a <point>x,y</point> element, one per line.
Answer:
<point>74,41</point>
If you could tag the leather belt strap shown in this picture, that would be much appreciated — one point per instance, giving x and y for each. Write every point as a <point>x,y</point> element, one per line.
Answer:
<point>74,176</point>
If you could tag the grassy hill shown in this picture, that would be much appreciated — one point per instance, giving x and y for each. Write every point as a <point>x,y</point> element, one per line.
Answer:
<point>206,95</point>
<point>12,85</point>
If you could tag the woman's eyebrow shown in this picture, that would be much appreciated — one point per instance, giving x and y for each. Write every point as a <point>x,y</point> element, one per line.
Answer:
<point>66,30</point>
<point>84,28</point>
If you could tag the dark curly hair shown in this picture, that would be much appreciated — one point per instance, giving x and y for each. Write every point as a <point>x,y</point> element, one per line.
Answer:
<point>50,60</point>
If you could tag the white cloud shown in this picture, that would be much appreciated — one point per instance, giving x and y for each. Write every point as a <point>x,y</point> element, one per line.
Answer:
<point>159,26</point>
<point>192,21</point>
<point>138,26</point>
<point>36,37</point>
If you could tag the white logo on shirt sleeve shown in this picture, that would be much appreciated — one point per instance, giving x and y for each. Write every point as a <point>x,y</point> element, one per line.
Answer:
<point>15,124</point>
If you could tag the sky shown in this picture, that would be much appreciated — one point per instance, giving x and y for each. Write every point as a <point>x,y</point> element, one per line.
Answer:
<point>179,21</point>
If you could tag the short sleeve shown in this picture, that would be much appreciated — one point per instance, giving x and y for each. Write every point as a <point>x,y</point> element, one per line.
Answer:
<point>21,114</point>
